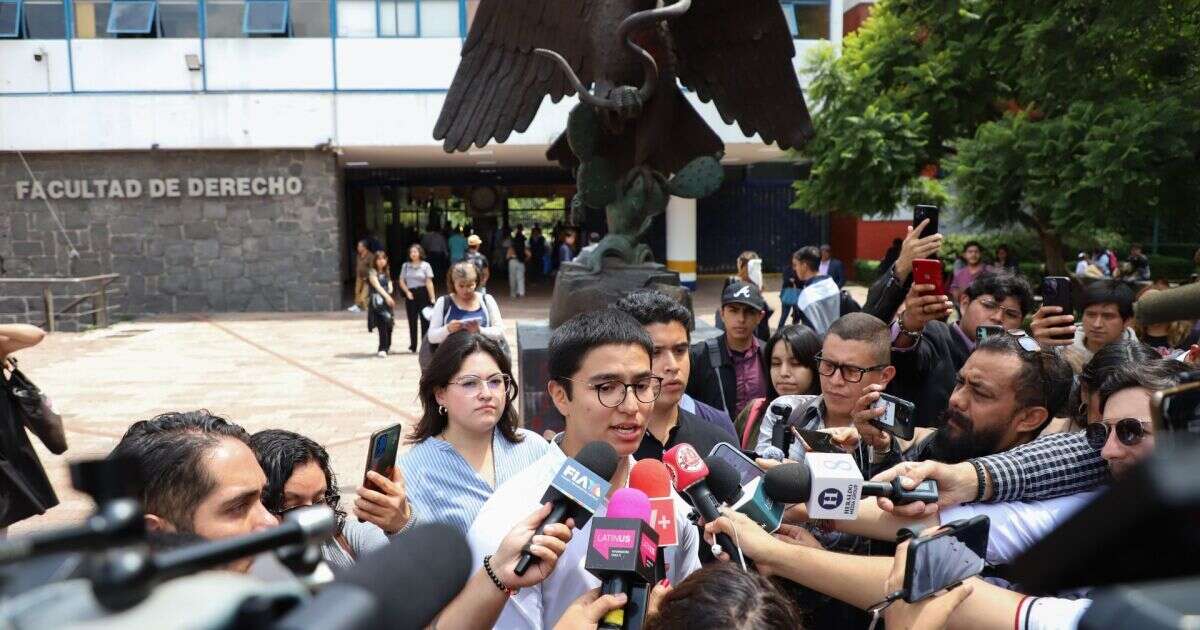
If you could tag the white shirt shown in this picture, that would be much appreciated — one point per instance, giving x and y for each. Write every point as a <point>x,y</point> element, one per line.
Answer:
<point>1081,267</point>
<point>1017,525</point>
<point>541,606</point>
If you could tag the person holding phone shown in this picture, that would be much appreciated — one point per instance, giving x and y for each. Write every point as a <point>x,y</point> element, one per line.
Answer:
<point>299,475</point>
<point>1107,308</point>
<point>468,441</point>
<point>464,308</point>
<point>886,296</point>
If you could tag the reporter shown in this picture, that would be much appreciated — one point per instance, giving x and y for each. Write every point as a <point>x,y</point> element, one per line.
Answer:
<point>481,601</point>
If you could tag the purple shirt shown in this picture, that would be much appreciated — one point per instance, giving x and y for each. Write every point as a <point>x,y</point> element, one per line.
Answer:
<point>751,382</point>
<point>963,277</point>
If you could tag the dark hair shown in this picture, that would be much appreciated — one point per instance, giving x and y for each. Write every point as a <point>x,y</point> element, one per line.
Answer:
<point>1155,375</point>
<point>447,360</point>
<point>1002,285</point>
<point>865,328</point>
<point>1109,292</point>
<point>279,453</point>
<point>169,451</point>
<point>460,269</point>
<point>804,344</point>
<point>970,244</point>
<point>650,306</point>
<point>1044,379</point>
<point>722,595</point>
<point>810,256</point>
<point>387,267</point>
<point>1103,363</point>
<point>574,338</point>
<point>1003,247</point>
<point>420,250</point>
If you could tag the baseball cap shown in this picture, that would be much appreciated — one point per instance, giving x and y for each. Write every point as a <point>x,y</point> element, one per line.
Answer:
<point>474,240</point>
<point>743,293</point>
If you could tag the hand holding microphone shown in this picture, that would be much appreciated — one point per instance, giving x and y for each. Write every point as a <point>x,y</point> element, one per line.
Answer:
<point>689,472</point>
<point>547,547</point>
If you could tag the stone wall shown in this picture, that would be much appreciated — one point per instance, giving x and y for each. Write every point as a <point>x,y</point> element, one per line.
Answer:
<point>215,250</point>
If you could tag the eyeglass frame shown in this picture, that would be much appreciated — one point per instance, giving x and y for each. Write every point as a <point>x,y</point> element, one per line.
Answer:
<point>510,384</point>
<point>658,380</point>
<point>1136,438</point>
<point>996,305</point>
<point>842,368</point>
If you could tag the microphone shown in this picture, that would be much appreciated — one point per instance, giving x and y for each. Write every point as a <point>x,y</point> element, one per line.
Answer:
<point>781,437</point>
<point>688,472</point>
<point>651,477</point>
<point>750,499</point>
<point>1168,306</point>
<point>771,452</point>
<point>576,491</point>
<point>622,552</point>
<point>829,488</point>
<point>115,522</point>
<point>127,576</point>
<point>404,585</point>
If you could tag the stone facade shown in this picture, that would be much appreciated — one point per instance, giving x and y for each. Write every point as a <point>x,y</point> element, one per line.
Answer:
<point>199,252</point>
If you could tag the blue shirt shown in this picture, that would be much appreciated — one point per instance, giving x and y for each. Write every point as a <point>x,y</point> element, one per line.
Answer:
<point>442,487</point>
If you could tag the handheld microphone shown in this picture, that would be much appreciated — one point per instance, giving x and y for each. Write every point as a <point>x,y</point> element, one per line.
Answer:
<point>832,489</point>
<point>1169,305</point>
<point>688,472</point>
<point>127,576</point>
<point>781,437</point>
<point>576,491</point>
<point>114,523</point>
<point>622,552</point>
<point>750,499</point>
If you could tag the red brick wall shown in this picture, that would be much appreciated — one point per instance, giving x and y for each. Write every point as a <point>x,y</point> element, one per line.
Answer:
<point>854,18</point>
<point>875,237</point>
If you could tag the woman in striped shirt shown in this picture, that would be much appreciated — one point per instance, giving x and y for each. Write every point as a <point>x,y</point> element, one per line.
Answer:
<point>467,442</point>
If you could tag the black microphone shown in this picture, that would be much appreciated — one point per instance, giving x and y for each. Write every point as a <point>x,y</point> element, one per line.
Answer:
<point>690,474</point>
<point>114,523</point>
<point>576,491</point>
<point>403,586</point>
<point>781,436</point>
<point>127,576</point>
<point>1168,306</point>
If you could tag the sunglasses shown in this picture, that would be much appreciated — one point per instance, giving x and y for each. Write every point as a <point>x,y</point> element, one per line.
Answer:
<point>1130,432</point>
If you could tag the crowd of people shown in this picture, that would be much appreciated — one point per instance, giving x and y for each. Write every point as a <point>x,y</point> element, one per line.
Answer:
<point>1026,426</point>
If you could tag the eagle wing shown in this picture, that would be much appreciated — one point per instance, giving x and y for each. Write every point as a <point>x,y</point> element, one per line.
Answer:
<point>738,54</point>
<point>501,82</point>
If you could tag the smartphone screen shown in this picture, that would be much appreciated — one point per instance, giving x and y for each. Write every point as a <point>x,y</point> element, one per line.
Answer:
<point>381,452</point>
<point>897,416</point>
<point>920,213</point>
<point>819,441</point>
<point>946,558</point>
<point>746,469</point>
<point>984,331</point>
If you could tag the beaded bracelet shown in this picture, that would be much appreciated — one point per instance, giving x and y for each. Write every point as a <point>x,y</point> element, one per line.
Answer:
<point>487,566</point>
<point>979,474</point>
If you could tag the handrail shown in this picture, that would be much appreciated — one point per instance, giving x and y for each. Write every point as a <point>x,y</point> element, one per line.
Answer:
<point>99,298</point>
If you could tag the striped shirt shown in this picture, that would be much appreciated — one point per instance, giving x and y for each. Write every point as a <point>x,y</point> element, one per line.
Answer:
<point>442,487</point>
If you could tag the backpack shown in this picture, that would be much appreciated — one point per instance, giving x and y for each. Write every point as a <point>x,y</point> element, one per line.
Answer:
<point>425,353</point>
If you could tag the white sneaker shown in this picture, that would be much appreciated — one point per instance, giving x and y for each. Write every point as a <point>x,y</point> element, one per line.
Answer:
<point>382,354</point>
<point>354,309</point>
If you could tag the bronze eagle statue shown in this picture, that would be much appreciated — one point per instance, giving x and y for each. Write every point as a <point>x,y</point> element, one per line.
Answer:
<point>634,139</point>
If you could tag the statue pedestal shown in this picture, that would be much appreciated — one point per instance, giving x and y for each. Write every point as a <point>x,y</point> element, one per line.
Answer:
<point>578,290</point>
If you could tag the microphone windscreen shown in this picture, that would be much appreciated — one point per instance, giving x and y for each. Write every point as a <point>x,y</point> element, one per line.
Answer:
<point>1180,303</point>
<point>685,465</point>
<point>651,476</point>
<point>788,483</point>
<point>629,503</point>
<point>415,576</point>
<point>600,458</point>
<point>771,452</point>
<point>723,480</point>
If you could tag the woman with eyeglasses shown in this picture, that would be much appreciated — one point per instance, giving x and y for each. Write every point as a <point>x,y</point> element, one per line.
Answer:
<point>299,475</point>
<point>467,442</point>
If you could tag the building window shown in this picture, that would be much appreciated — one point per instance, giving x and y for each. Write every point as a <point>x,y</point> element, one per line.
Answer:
<point>439,18</point>
<point>132,17</point>
<point>10,18</point>
<point>419,18</point>
<point>807,19</point>
<point>398,18</point>
<point>43,19</point>
<point>310,18</point>
<point>179,18</point>
<point>265,17</point>
<point>356,18</point>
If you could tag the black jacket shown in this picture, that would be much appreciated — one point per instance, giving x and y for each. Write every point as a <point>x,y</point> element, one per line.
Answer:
<point>925,374</point>
<point>713,380</point>
<point>24,488</point>
<point>886,295</point>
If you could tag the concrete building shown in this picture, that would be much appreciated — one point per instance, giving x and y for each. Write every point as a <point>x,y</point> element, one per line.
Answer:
<point>225,155</point>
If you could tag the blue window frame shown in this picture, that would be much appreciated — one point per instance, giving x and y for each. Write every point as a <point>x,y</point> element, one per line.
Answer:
<point>807,19</point>
<point>132,17</point>
<point>265,17</point>
<point>10,18</point>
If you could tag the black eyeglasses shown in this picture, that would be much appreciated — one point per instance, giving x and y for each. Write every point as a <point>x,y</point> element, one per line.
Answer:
<point>612,393</point>
<point>1130,432</point>
<point>850,373</point>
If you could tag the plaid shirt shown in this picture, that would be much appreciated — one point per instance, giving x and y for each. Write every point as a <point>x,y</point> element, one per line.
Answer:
<point>1052,466</point>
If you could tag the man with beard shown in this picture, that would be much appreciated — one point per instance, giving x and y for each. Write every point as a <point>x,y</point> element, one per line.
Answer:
<point>1004,396</point>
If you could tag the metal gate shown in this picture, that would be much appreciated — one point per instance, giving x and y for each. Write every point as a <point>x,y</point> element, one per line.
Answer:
<point>754,215</point>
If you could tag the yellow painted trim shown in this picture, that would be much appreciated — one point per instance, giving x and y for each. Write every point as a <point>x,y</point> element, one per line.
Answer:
<point>682,266</point>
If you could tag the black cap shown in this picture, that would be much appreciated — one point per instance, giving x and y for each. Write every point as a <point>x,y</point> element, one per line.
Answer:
<point>743,293</point>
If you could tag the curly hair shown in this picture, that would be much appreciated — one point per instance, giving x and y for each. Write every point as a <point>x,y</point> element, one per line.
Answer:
<point>279,453</point>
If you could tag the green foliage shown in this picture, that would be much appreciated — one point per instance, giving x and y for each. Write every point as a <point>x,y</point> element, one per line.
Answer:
<point>1171,267</point>
<point>866,271</point>
<point>1061,118</point>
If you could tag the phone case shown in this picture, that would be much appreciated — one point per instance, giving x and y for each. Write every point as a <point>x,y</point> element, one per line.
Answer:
<point>981,522</point>
<point>928,271</point>
<point>901,429</point>
<point>382,463</point>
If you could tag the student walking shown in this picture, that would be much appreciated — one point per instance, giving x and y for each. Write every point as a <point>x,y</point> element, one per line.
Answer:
<point>416,280</point>
<point>381,304</point>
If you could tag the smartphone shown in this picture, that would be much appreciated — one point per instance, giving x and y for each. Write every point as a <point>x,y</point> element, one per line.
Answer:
<point>929,271</point>
<point>381,452</point>
<point>946,558</point>
<point>984,331</point>
<point>1178,408</point>
<point>898,417</point>
<point>920,213</point>
<point>471,325</point>
<point>817,441</point>
<point>746,469</point>
<point>1056,291</point>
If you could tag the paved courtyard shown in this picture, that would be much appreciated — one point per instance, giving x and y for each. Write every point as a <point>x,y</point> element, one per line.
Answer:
<point>314,373</point>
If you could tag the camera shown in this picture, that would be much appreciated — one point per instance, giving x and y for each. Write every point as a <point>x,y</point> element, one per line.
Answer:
<point>39,54</point>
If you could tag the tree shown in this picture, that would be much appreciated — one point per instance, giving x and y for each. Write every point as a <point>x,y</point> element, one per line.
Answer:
<point>1061,117</point>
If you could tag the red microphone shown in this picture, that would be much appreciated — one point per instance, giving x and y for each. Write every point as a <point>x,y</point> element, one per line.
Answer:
<point>689,471</point>
<point>651,477</point>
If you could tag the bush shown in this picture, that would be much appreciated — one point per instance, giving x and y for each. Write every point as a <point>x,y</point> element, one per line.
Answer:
<point>866,271</point>
<point>1170,267</point>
